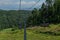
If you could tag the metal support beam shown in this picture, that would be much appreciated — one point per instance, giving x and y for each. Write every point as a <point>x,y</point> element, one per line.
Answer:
<point>24,22</point>
<point>24,30</point>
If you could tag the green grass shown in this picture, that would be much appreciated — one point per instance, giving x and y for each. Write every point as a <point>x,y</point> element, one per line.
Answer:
<point>32,34</point>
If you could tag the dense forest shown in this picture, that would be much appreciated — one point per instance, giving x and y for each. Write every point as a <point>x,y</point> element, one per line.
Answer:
<point>49,13</point>
<point>12,18</point>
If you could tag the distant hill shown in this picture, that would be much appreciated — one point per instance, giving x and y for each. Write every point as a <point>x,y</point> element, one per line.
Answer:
<point>12,18</point>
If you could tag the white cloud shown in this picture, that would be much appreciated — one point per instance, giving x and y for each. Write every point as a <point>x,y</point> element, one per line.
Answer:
<point>28,3</point>
<point>9,2</point>
<point>25,4</point>
<point>5,2</point>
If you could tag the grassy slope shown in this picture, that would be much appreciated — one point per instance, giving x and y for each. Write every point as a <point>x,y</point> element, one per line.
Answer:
<point>7,34</point>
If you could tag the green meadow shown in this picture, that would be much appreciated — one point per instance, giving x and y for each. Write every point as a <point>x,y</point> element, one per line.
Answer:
<point>33,33</point>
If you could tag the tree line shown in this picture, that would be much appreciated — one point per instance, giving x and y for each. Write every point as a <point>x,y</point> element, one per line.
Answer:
<point>48,13</point>
<point>12,18</point>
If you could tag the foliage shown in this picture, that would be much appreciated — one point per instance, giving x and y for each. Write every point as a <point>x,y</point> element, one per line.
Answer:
<point>48,13</point>
<point>12,18</point>
<point>32,34</point>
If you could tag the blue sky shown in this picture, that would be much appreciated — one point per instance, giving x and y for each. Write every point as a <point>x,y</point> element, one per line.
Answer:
<point>14,4</point>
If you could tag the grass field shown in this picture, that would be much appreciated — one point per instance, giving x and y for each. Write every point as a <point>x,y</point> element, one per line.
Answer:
<point>32,33</point>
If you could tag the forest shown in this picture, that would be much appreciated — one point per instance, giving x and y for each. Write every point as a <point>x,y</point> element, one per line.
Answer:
<point>12,18</point>
<point>48,13</point>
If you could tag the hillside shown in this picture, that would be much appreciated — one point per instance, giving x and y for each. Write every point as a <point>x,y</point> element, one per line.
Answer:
<point>12,18</point>
<point>32,34</point>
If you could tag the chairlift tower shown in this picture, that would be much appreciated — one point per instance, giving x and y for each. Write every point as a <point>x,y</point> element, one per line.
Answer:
<point>25,18</point>
<point>24,22</point>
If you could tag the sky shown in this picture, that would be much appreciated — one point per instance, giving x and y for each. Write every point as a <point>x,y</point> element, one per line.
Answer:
<point>14,4</point>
